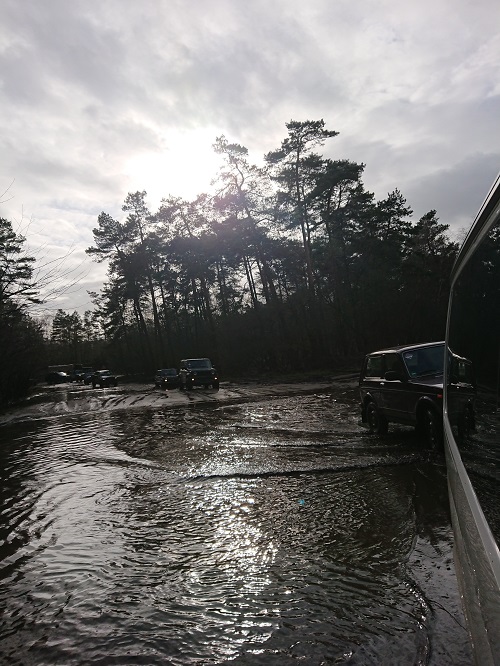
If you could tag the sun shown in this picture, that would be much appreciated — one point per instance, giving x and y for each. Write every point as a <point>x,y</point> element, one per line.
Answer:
<point>183,167</point>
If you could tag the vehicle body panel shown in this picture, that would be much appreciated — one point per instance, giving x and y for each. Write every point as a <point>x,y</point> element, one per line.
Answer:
<point>473,453</point>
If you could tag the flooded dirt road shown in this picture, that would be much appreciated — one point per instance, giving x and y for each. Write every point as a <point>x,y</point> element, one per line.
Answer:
<point>254,525</point>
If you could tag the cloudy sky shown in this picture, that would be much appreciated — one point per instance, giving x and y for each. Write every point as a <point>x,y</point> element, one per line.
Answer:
<point>99,98</point>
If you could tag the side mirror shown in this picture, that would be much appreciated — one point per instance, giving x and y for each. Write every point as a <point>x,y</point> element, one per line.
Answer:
<point>393,375</point>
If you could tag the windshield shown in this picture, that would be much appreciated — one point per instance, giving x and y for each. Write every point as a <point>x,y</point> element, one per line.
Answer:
<point>424,361</point>
<point>199,363</point>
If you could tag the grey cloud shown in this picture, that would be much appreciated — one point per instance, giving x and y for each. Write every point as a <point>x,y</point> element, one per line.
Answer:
<point>441,156</point>
<point>20,78</point>
<point>63,49</point>
<point>87,86</point>
<point>457,192</point>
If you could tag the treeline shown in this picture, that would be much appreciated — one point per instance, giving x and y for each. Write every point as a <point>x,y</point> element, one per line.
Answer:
<point>289,267</point>
<point>21,339</point>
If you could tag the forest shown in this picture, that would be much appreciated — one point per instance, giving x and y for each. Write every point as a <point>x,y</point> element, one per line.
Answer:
<point>287,268</point>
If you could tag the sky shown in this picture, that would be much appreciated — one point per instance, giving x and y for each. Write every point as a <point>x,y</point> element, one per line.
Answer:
<point>99,98</point>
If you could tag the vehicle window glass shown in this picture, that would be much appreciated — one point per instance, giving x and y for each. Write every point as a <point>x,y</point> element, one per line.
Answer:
<point>473,375</point>
<point>199,364</point>
<point>424,361</point>
<point>393,363</point>
<point>373,366</point>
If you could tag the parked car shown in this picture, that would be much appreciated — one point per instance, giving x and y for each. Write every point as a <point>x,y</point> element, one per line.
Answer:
<point>87,377</point>
<point>197,372</point>
<point>167,378</point>
<point>57,377</point>
<point>103,378</point>
<point>404,384</point>
<point>79,374</point>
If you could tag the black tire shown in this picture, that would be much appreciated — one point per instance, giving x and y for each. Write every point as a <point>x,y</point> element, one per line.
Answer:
<point>94,384</point>
<point>215,386</point>
<point>377,424</point>
<point>432,429</point>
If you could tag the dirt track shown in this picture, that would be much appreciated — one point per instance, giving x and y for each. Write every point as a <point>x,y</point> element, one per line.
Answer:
<point>50,401</point>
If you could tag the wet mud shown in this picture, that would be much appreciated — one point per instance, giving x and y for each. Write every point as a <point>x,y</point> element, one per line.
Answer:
<point>256,524</point>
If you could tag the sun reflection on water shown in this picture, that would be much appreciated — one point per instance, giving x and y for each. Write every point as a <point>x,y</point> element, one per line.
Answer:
<point>239,544</point>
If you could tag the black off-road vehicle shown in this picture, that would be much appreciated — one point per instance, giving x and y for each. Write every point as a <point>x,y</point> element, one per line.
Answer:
<point>167,378</point>
<point>197,372</point>
<point>104,379</point>
<point>404,385</point>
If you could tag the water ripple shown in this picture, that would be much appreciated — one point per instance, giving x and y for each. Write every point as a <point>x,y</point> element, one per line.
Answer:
<point>199,536</point>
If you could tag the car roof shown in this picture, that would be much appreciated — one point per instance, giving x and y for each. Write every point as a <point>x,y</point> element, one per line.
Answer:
<point>400,348</point>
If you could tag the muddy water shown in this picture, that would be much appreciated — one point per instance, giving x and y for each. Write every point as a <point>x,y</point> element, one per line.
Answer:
<point>255,525</point>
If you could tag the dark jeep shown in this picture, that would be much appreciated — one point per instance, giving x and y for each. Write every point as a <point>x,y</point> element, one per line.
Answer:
<point>103,378</point>
<point>166,378</point>
<point>404,384</point>
<point>197,372</point>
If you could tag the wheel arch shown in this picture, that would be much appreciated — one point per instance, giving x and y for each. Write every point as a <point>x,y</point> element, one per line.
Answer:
<point>364,404</point>
<point>426,403</point>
